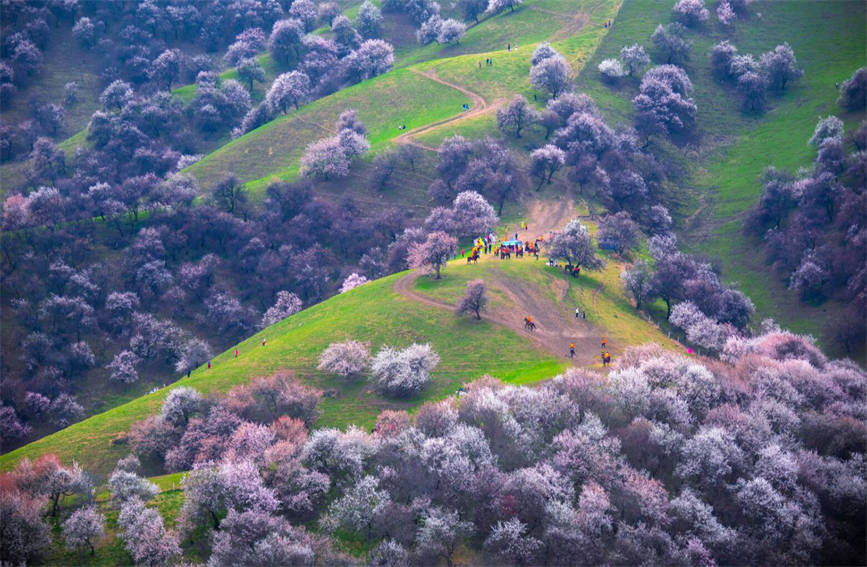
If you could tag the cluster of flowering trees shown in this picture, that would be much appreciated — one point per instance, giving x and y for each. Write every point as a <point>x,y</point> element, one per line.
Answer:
<point>316,66</point>
<point>394,372</point>
<point>159,295</point>
<point>813,225</point>
<point>708,312</point>
<point>39,489</point>
<point>633,59</point>
<point>753,77</point>
<point>485,166</point>
<point>191,430</point>
<point>757,459</point>
<point>331,157</point>
<point>134,46</point>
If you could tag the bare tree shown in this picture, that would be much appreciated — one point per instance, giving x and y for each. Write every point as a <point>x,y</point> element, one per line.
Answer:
<point>474,300</point>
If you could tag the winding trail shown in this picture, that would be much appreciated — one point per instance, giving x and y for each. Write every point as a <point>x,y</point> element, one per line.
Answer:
<point>479,107</point>
<point>557,325</point>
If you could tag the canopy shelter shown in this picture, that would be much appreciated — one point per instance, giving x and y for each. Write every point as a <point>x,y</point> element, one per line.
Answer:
<point>512,243</point>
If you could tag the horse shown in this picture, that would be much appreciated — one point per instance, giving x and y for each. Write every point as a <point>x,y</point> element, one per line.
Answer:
<point>576,271</point>
<point>504,253</point>
<point>519,253</point>
<point>474,258</point>
<point>529,325</point>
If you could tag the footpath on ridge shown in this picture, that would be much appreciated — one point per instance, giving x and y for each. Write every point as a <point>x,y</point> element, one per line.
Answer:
<point>479,107</point>
<point>556,323</point>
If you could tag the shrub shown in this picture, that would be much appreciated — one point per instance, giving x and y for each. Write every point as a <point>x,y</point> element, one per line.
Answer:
<point>690,12</point>
<point>612,70</point>
<point>347,359</point>
<point>405,372</point>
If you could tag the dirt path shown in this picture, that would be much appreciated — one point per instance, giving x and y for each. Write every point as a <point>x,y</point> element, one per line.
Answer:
<point>556,323</point>
<point>479,107</point>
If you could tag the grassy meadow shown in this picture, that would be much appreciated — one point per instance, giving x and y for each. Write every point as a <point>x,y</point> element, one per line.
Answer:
<point>721,167</point>
<point>373,313</point>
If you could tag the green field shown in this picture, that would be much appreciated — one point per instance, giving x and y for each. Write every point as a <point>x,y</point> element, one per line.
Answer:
<point>383,103</point>
<point>372,313</point>
<point>722,169</point>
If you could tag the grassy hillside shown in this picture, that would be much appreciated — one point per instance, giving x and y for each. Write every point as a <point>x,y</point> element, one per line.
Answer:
<point>382,103</point>
<point>392,99</point>
<point>600,294</point>
<point>373,313</point>
<point>723,166</point>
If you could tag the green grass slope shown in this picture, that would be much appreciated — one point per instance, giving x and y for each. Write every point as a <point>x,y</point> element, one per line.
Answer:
<point>373,313</point>
<point>722,169</point>
<point>383,103</point>
<point>404,97</point>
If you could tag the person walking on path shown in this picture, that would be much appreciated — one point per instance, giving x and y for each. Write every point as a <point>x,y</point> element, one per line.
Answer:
<point>571,350</point>
<point>577,312</point>
<point>604,342</point>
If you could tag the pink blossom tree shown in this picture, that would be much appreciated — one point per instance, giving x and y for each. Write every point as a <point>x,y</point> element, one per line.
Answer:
<point>433,254</point>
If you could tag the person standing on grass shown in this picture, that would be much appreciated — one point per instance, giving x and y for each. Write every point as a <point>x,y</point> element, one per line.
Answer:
<point>209,365</point>
<point>263,341</point>
<point>236,353</point>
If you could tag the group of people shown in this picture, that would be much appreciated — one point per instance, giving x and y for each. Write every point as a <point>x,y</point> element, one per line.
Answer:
<point>607,24</point>
<point>604,355</point>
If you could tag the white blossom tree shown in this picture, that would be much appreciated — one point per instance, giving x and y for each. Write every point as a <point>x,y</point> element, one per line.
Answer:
<point>551,74</point>
<point>347,358</point>
<point>352,281</point>
<point>574,245</point>
<point>287,304</point>
<point>403,372</point>
<point>83,529</point>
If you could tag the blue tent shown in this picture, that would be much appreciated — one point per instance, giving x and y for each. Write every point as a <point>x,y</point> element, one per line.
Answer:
<point>512,243</point>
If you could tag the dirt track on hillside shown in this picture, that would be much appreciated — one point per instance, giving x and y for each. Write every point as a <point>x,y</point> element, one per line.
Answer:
<point>555,320</point>
<point>479,107</point>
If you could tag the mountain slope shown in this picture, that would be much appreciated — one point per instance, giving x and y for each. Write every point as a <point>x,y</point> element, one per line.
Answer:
<point>379,313</point>
<point>720,173</point>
